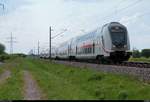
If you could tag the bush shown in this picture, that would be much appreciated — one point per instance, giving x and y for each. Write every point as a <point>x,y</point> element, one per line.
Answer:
<point>123,95</point>
<point>19,55</point>
<point>146,53</point>
<point>4,57</point>
<point>136,54</point>
<point>96,77</point>
<point>2,49</point>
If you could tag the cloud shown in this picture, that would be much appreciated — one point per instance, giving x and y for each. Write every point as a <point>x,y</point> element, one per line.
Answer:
<point>137,29</point>
<point>12,5</point>
<point>29,20</point>
<point>127,20</point>
<point>84,1</point>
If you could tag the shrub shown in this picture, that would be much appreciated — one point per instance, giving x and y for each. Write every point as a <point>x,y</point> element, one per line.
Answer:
<point>19,55</point>
<point>4,57</point>
<point>2,49</point>
<point>100,93</point>
<point>136,54</point>
<point>123,95</point>
<point>146,53</point>
<point>95,77</point>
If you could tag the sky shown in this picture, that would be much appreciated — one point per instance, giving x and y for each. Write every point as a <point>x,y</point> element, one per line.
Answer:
<point>29,20</point>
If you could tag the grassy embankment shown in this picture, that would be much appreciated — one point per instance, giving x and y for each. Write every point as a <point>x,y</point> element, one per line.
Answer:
<point>64,82</point>
<point>140,59</point>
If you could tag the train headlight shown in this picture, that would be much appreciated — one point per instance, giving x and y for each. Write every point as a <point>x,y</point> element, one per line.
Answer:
<point>125,45</point>
<point>114,45</point>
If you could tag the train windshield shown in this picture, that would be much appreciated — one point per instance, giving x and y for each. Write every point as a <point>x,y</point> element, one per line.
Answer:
<point>119,36</point>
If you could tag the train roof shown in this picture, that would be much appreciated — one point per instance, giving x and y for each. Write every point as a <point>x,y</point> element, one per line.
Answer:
<point>89,35</point>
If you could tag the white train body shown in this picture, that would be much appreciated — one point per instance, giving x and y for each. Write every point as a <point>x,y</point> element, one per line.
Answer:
<point>111,42</point>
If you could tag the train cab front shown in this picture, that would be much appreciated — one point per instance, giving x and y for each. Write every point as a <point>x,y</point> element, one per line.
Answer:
<point>120,42</point>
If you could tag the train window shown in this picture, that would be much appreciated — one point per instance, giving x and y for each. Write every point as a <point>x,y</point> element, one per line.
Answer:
<point>89,50</point>
<point>86,50</point>
<point>76,50</point>
<point>93,48</point>
<point>103,41</point>
<point>82,51</point>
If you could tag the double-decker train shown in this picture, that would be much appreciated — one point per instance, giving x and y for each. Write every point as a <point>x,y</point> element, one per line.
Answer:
<point>108,43</point>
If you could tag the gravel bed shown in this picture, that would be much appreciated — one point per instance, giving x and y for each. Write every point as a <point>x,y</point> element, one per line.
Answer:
<point>142,73</point>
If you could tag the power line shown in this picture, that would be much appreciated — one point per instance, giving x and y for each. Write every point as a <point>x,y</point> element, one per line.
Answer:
<point>144,14</point>
<point>50,41</point>
<point>38,48</point>
<point>59,34</point>
<point>131,5</point>
<point>117,11</point>
<point>11,41</point>
<point>120,10</point>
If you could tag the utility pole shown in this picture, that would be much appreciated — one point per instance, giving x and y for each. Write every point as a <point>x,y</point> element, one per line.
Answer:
<point>38,48</point>
<point>11,41</point>
<point>50,42</point>
<point>34,51</point>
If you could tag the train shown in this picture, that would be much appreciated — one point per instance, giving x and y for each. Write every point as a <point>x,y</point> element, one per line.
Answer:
<point>109,43</point>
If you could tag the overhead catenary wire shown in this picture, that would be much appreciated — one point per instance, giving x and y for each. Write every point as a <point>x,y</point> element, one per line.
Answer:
<point>139,16</point>
<point>130,5</point>
<point>117,11</point>
<point>122,9</point>
<point>59,34</point>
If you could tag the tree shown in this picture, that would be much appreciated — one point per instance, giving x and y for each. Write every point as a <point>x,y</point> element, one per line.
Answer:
<point>136,53</point>
<point>2,49</point>
<point>145,53</point>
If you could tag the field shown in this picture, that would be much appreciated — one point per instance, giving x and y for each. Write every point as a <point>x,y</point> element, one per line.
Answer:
<point>58,82</point>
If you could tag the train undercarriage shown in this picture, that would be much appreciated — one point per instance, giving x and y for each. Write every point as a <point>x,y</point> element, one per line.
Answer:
<point>115,57</point>
<point>120,56</point>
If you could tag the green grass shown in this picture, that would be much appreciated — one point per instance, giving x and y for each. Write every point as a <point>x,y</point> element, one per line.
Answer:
<point>69,83</point>
<point>11,89</point>
<point>140,59</point>
<point>64,82</point>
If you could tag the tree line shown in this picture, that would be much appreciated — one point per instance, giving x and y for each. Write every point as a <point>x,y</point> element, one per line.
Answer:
<point>5,56</point>
<point>2,49</point>
<point>144,53</point>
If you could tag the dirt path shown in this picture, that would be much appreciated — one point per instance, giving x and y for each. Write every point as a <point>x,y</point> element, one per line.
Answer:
<point>31,89</point>
<point>5,75</point>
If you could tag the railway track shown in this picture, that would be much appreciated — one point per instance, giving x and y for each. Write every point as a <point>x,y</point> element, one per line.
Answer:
<point>136,64</point>
<point>126,63</point>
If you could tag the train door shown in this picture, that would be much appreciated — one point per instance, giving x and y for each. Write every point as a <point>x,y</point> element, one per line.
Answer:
<point>93,47</point>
